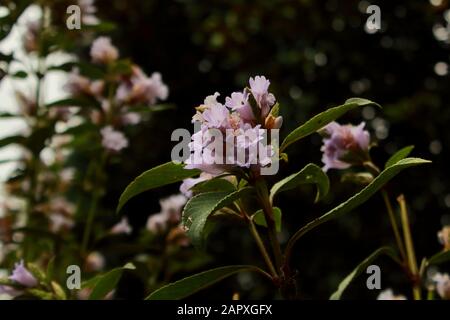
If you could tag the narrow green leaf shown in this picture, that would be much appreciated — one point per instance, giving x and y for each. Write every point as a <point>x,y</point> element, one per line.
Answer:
<point>12,140</point>
<point>322,119</point>
<point>190,285</point>
<point>310,174</point>
<point>154,178</point>
<point>103,284</point>
<point>440,257</point>
<point>399,155</point>
<point>260,219</point>
<point>358,199</point>
<point>201,206</point>
<point>360,269</point>
<point>72,102</point>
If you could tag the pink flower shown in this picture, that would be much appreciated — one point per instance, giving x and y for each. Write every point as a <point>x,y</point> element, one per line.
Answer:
<point>239,102</point>
<point>22,276</point>
<point>88,11</point>
<point>185,187</point>
<point>122,227</point>
<point>10,291</point>
<point>140,88</point>
<point>344,145</point>
<point>170,213</point>
<point>113,140</point>
<point>259,87</point>
<point>229,135</point>
<point>102,51</point>
<point>442,285</point>
<point>388,294</point>
<point>444,237</point>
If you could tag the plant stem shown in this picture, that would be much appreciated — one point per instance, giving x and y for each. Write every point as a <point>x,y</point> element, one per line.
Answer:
<point>262,248</point>
<point>412,262</point>
<point>372,168</point>
<point>94,202</point>
<point>263,194</point>
<point>394,224</point>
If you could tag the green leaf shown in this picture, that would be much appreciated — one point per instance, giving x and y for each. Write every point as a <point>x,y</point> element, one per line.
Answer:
<point>9,115</point>
<point>12,140</point>
<point>275,111</point>
<point>358,199</point>
<point>215,184</point>
<point>103,284</point>
<point>399,155</point>
<point>322,119</point>
<point>20,74</point>
<point>311,173</point>
<point>201,206</point>
<point>360,269</point>
<point>156,177</point>
<point>73,102</point>
<point>190,285</point>
<point>440,257</point>
<point>260,219</point>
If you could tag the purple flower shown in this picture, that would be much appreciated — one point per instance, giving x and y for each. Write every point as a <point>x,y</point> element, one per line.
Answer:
<point>344,145</point>
<point>442,285</point>
<point>113,140</point>
<point>102,51</point>
<point>10,291</point>
<point>122,227</point>
<point>22,276</point>
<point>237,139</point>
<point>239,102</point>
<point>170,213</point>
<point>259,87</point>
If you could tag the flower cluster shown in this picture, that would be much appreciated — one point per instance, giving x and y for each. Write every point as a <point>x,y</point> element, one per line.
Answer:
<point>344,145</point>
<point>132,89</point>
<point>231,135</point>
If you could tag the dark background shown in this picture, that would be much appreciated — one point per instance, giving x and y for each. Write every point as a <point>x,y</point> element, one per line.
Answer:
<point>316,54</point>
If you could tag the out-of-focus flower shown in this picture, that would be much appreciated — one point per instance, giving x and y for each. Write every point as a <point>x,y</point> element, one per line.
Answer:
<point>344,145</point>
<point>84,294</point>
<point>131,118</point>
<point>30,38</point>
<point>95,261</point>
<point>88,11</point>
<point>185,187</point>
<point>102,51</point>
<point>444,237</point>
<point>78,84</point>
<point>60,222</point>
<point>178,237</point>
<point>10,291</point>
<point>22,276</point>
<point>388,294</point>
<point>170,213</point>
<point>122,227</point>
<point>442,285</point>
<point>113,140</point>
<point>141,89</point>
